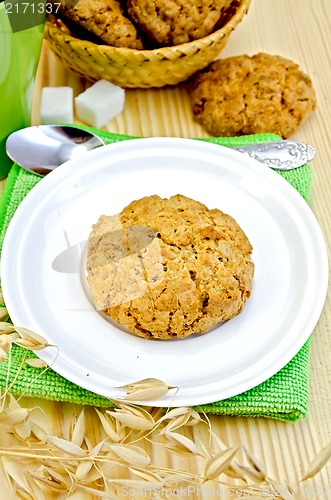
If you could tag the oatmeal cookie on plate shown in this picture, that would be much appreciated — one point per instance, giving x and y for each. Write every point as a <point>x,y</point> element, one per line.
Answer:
<point>191,271</point>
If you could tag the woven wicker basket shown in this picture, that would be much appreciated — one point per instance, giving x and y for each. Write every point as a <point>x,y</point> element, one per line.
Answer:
<point>133,68</point>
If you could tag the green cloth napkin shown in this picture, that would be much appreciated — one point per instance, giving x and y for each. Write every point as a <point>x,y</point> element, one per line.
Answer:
<point>284,396</point>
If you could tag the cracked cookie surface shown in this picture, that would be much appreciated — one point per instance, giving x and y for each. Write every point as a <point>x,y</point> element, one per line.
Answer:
<point>105,19</point>
<point>251,95</point>
<point>172,22</point>
<point>166,268</point>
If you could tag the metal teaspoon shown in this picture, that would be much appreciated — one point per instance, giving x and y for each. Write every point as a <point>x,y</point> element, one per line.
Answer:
<point>42,148</point>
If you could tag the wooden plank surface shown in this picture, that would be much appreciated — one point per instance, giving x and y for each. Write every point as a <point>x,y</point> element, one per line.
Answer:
<point>299,30</point>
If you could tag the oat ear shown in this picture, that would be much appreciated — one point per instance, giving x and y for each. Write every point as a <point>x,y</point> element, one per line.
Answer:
<point>257,466</point>
<point>145,390</point>
<point>3,314</point>
<point>219,463</point>
<point>30,340</point>
<point>318,462</point>
<point>36,363</point>
<point>6,327</point>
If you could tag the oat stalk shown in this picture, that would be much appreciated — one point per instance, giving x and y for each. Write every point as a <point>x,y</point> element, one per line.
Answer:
<point>35,464</point>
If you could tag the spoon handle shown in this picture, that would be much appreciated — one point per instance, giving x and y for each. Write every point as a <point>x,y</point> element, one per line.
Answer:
<point>282,155</point>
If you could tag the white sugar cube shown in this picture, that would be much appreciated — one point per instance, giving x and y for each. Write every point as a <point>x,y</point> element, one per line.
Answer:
<point>57,105</point>
<point>100,103</point>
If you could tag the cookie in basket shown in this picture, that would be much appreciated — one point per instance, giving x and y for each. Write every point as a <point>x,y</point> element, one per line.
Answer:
<point>172,22</point>
<point>250,95</point>
<point>104,19</point>
<point>166,268</point>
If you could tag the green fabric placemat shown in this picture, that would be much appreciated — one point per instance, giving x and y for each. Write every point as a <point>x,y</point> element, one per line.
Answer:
<point>284,396</point>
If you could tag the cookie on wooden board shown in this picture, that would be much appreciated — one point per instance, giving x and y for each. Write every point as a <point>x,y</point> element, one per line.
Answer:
<point>250,95</point>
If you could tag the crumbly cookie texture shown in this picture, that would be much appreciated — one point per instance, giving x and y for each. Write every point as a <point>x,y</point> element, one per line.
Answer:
<point>250,95</point>
<point>172,22</point>
<point>166,268</point>
<point>105,19</point>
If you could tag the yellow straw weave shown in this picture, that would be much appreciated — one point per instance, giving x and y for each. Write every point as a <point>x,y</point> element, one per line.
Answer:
<point>133,68</point>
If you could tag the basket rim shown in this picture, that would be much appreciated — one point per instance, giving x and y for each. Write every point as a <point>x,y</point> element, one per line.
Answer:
<point>204,41</point>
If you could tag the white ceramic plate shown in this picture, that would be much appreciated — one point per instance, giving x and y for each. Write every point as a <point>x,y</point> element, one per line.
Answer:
<point>288,251</point>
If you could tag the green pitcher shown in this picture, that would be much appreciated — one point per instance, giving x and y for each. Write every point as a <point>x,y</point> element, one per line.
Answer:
<point>21,34</point>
